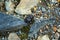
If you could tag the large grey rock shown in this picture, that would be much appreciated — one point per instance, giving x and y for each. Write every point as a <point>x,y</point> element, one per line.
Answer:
<point>40,24</point>
<point>9,22</point>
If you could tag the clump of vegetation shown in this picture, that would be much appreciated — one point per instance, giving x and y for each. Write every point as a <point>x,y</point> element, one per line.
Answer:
<point>25,31</point>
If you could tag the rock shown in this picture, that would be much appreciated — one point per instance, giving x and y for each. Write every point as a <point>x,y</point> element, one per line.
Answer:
<point>39,38</point>
<point>45,37</point>
<point>25,6</point>
<point>13,36</point>
<point>9,6</point>
<point>58,30</point>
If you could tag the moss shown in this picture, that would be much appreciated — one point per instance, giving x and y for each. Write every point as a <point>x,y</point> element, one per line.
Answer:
<point>23,36</point>
<point>25,29</point>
